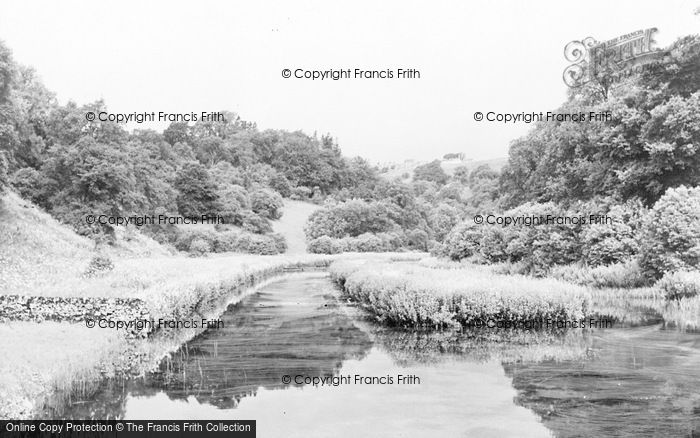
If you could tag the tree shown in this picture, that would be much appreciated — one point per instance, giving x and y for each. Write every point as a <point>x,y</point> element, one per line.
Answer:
<point>266,203</point>
<point>177,132</point>
<point>671,233</point>
<point>650,143</point>
<point>196,190</point>
<point>430,172</point>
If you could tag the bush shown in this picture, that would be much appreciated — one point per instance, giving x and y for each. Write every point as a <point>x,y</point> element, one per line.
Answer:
<point>671,233</point>
<point>493,244</point>
<point>301,193</point>
<point>608,243</point>
<point>430,172</point>
<point>197,193</point>
<point>99,264</point>
<point>32,185</point>
<point>463,241</point>
<point>541,246</point>
<point>417,240</point>
<point>626,275</point>
<point>199,242</point>
<point>3,172</point>
<point>442,220</point>
<point>254,223</point>
<point>267,203</point>
<point>281,185</point>
<point>682,284</point>
<point>349,219</point>
<point>257,244</point>
<point>324,245</point>
<point>280,242</point>
<point>234,201</point>
<point>380,242</point>
<point>200,247</point>
<point>369,243</point>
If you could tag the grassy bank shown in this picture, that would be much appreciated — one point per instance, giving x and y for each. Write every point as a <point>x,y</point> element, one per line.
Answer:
<point>414,294</point>
<point>48,358</point>
<point>43,362</point>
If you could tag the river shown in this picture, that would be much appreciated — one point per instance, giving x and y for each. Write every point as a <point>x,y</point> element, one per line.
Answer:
<point>353,377</point>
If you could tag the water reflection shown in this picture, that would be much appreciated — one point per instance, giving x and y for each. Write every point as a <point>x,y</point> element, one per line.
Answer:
<point>635,378</point>
<point>643,382</point>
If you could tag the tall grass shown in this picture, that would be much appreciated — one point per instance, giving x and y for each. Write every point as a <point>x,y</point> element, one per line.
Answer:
<point>626,275</point>
<point>38,363</point>
<point>408,294</point>
<point>683,313</point>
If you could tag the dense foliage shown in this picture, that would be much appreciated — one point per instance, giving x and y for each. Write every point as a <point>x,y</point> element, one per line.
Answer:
<point>671,233</point>
<point>643,155</point>
<point>649,144</point>
<point>74,168</point>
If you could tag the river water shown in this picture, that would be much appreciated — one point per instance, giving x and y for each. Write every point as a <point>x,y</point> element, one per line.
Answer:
<point>630,380</point>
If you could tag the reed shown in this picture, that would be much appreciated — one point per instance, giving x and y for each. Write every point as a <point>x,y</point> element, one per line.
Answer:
<point>411,294</point>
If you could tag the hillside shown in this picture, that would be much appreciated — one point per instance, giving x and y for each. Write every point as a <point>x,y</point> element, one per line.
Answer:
<point>35,246</point>
<point>38,252</point>
<point>398,170</point>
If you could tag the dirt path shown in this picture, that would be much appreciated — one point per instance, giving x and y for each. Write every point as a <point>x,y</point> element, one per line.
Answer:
<point>291,225</point>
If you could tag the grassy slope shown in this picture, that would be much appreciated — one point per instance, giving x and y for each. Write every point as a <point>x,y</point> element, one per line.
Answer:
<point>38,255</point>
<point>291,225</point>
<point>35,249</point>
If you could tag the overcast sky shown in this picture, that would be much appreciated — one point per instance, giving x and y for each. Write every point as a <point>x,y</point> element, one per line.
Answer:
<point>176,56</point>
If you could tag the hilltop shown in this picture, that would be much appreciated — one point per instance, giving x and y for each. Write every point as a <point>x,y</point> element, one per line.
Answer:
<point>391,171</point>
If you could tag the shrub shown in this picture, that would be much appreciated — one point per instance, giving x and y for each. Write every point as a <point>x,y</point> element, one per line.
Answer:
<point>493,245</point>
<point>99,264</point>
<point>32,185</point>
<point>199,242</point>
<point>267,203</point>
<point>234,201</point>
<point>281,185</point>
<point>197,193</point>
<point>380,242</point>
<point>367,243</point>
<point>442,220</point>
<point>301,193</point>
<point>463,241</point>
<point>3,172</point>
<point>349,219</point>
<point>257,244</point>
<point>682,284</point>
<point>280,242</point>
<point>625,275</point>
<point>540,246</point>
<point>671,233</point>
<point>417,240</point>
<point>430,172</point>
<point>254,223</point>
<point>606,243</point>
<point>324,245</point>
<point>200,247</point>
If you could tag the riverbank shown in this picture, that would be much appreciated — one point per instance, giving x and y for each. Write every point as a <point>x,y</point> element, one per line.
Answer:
<point>67,356</point>
<point>417,295</point>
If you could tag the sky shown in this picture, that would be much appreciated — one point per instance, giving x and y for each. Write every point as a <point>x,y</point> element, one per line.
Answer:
<point>176,56</point>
